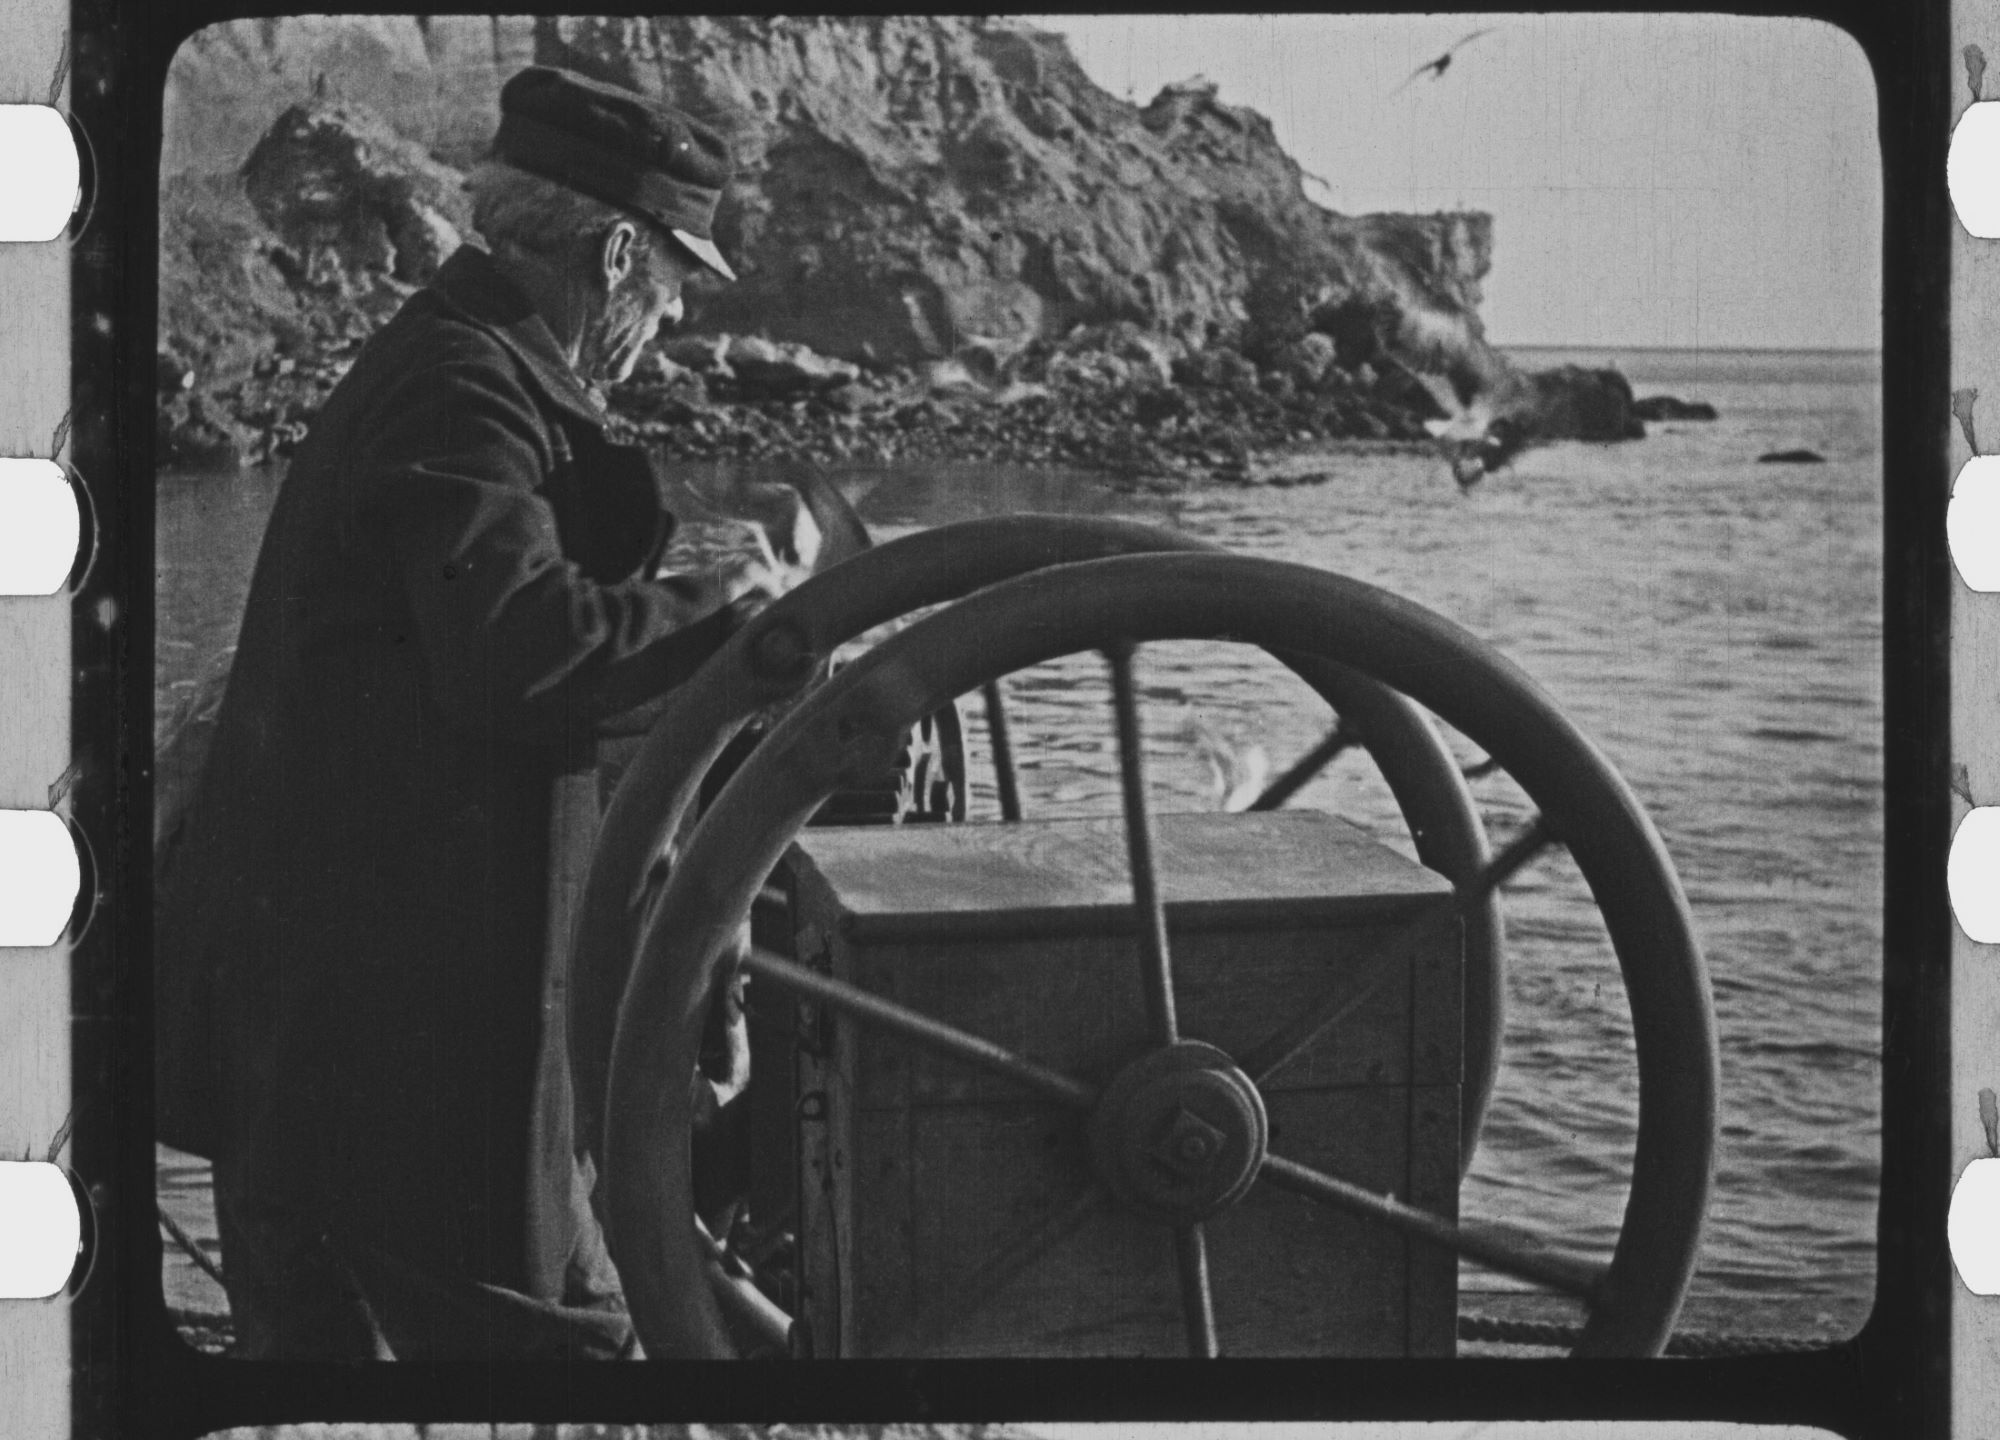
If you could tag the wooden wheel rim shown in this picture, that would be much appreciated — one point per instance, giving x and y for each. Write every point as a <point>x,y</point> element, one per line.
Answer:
<point>1287,609</point>
<point>775,655</point>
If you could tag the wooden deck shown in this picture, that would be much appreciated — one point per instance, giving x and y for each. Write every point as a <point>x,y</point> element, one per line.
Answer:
<point>201,1311</point>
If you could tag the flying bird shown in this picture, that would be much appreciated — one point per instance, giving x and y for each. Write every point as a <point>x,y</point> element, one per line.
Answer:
<point>1475,440</point>
<point>1236,773</point>
<point>1438,66</point>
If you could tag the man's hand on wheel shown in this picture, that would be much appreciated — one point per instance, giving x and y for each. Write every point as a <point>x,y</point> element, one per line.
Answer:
<point>748,583</point>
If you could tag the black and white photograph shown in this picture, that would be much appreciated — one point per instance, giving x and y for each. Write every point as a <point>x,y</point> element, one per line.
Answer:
<point>1071,686</point>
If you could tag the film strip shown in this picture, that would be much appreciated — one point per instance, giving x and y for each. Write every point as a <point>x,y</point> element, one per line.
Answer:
<point>110,1351</point>
<point>37,747</point>
<point>1971,540</point>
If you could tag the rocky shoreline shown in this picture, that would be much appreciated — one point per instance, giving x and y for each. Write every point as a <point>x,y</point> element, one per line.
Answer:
<point>1140,407</point>
<point>1115,399</point>
<point>953,246</point>
<point>1126,405</point>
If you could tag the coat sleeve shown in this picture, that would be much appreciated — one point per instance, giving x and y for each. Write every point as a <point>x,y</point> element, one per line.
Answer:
<point>515,638</point>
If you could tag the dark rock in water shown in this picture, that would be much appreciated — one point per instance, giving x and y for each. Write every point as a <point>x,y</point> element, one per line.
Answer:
<point>1573,402</point>
<point>352,200</point>
<point>1502,442</point>
<point>1668,407</point>
<point>1792,457</point>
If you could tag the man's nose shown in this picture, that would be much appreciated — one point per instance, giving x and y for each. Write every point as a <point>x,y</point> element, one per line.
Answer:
<point>671,316</point>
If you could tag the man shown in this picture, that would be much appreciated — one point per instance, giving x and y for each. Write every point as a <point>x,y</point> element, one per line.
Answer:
<point>361,923</point>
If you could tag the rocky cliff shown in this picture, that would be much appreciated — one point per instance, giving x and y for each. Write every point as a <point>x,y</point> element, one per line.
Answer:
<point>911,192</point>
<point>909,183</point>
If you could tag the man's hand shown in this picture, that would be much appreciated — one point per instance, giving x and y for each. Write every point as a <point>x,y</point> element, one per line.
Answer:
<point>785,543</point>
<point>775,513</point>
<point>786,530</point>
<point>724,1058</point>
<point>750,582</point>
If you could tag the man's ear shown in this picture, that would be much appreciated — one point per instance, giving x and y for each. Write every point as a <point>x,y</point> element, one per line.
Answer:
<point>619,254</point>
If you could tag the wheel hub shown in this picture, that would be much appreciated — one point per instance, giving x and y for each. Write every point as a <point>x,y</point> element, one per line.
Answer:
<point>1179,1134</point>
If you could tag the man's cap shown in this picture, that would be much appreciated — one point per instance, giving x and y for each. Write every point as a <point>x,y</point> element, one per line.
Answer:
<point>620,147</point>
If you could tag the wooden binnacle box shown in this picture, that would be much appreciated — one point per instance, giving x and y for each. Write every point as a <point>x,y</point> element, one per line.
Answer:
<point>944,1211</point>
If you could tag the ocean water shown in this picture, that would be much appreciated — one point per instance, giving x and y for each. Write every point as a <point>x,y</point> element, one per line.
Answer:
<point>1713,623</point>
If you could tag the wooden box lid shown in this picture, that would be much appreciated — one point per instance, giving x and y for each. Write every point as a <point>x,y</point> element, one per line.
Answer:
<point>1285,867</point>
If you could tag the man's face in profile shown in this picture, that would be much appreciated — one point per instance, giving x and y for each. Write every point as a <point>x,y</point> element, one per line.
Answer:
<point>639,306</point>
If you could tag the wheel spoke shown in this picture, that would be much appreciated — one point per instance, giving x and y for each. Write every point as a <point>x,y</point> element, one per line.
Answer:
<point>858,1004</point>
<point>1158,969</point>
<point>1340,738</point>
<point>1510,1252</point>
<point>1534,837</point>
<point>998,737</point>
<point>967,1297</point>
<point>1197,1304</point>
<point>1285,1045</point>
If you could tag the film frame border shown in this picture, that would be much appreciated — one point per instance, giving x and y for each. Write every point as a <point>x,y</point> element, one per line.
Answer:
<point>131,1371</point>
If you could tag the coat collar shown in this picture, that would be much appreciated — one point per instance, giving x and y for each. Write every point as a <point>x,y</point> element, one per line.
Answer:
<point>471,283</point>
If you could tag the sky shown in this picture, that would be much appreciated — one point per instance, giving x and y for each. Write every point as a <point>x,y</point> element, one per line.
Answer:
<point>1691,181</point>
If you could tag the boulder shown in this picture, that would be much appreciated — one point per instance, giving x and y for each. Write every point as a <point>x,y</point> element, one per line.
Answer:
<point>1308,359</point>
<point>1573,402</point>
<point>1159,405</point>
<point>1667,407</point>
<point>767,370</point>
<point>1143,355</point>
<point>962,372</point>
<point>352,200</point>
<point>703,354</point>
<point>1094,370</point>
<point>668,393</point>
<point>991,358</point>
<point>1218,369</point>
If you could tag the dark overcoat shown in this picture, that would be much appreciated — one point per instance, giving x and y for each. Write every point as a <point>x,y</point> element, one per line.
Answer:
<point>454,602</point>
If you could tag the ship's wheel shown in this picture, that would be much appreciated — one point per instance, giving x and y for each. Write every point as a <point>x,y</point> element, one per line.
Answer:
<point>704,732</point>
<point>1324,626</point>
